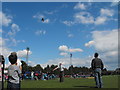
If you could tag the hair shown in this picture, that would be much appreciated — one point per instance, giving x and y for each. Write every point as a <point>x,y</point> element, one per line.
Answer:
<point>96,55</point>
<point>13,53</point>
<point>13,59</point>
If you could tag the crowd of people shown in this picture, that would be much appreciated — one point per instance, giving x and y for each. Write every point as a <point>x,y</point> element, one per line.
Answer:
<point>15,72</point>
<point>38,76</point>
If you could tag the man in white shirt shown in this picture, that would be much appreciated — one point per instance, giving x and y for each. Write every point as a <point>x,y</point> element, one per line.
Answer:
<point>61,69</point>
<point>32,75</point>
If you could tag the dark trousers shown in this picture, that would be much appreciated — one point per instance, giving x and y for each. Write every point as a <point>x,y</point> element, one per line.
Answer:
<point>13,86</point>
<point>61,76</point>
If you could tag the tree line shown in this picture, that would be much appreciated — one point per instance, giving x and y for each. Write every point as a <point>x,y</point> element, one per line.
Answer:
<point>68,71</point>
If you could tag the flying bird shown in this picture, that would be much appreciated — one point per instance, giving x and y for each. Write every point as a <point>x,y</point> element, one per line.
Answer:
<point>42,19</point>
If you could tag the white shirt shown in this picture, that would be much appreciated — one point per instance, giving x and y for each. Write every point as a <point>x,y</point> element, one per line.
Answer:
<point>61,68</point>
<point>19,62</point>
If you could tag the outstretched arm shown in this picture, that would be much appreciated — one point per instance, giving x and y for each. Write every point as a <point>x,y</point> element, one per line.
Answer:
<point>55,68</point>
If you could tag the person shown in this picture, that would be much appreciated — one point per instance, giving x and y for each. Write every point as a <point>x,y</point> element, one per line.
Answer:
<point>19,63</point>
<point>97,66</point>
<point>32,75</point>
<point>61,75</point>
<point>0,73</point>
<point>14,73</point>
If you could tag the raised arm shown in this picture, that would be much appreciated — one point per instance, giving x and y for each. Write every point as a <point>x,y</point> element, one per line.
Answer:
<point>55,68</point>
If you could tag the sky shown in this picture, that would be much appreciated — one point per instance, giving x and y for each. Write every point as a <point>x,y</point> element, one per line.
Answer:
<point>80,28</point>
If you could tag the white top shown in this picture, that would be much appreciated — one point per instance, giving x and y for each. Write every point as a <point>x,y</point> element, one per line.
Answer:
<point>32,73</point>
<point>61,68</point>
<point>19,62</point>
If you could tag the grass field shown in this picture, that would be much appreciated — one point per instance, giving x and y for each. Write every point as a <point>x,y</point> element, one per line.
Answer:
<point>108,81</point>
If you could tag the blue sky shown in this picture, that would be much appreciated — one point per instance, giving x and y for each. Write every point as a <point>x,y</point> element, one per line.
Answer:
<point>78,28</point>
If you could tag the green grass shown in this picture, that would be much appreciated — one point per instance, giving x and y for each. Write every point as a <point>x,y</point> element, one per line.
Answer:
<point>108,81</point>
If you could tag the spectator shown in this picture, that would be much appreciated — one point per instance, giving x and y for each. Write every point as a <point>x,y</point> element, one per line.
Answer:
<point>97,66</point>
<point>14,73</point>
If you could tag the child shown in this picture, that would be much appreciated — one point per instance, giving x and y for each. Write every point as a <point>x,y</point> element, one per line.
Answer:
<point>14,72</point>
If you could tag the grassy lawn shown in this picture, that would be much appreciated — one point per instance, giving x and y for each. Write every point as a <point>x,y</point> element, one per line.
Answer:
<point>108,81</point>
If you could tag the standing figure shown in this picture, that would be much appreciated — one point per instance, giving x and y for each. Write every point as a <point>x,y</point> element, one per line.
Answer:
<point>2,66</point>
<point>61,75</point>
<point>14,73</point>
<point>0,73</point>
<point>97,66</point>
<point>32,75</point>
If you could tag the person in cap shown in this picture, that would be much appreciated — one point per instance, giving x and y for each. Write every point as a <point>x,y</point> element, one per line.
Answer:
<point>97,66</point>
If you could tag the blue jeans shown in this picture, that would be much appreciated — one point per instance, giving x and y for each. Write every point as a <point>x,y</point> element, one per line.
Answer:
<point>13,86</point>
<point>98,78</point>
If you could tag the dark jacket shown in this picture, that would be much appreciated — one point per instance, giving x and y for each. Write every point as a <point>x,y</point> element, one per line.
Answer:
<point>97,63</point>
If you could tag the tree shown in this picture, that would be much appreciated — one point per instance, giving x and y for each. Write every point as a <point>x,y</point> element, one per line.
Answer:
<point>37,68</point>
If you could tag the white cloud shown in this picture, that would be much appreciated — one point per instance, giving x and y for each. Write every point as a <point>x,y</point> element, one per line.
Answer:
<point>70,35</point>
<point>68,23</point>
<point>38,16</point>
<point>14,29</point>
<point>66,62</point>
<point>14,42</point>
<point>12,33</point>
<point>40,32</point>
<point>87,18</point>
<point>80,6</point>
<point>31,63</point>
<point>114,3</point>
<point>104,16</point>
<point>63,48</point>
<point>2,42</point>
<point>90,43</point>
<point>50,12</point>
<point>106,12</point>
<point>84,18</point>
<point>106,40</point>
<point>23,53</point>
<point>1,30</point>
<point>6,19</point>
<point>75,50</point>
<point>3,49</point>
<point>112,53</point>
<point>63,54</point>
<point>100,20</point>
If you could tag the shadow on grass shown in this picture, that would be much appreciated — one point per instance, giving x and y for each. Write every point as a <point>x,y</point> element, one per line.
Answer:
<point>85,86</point>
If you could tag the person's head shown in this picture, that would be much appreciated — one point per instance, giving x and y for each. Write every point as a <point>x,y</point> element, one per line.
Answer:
<point>12,59</point>
<point>60,64</point>
<point>96,55</point>
<point>13,53</point>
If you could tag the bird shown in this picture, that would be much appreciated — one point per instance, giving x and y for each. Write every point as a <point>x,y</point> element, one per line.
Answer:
<point>42,19</point>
